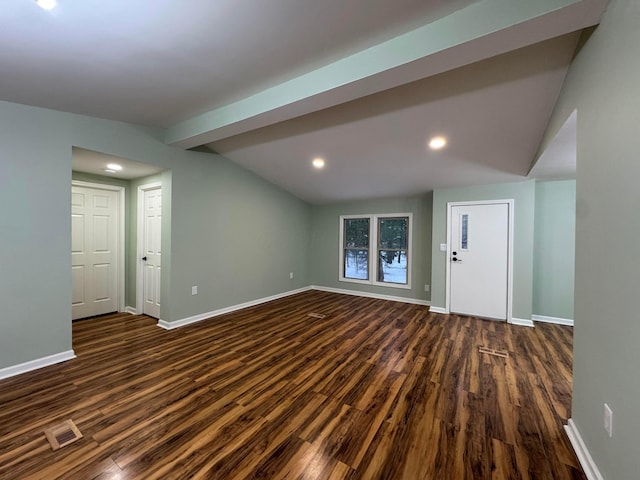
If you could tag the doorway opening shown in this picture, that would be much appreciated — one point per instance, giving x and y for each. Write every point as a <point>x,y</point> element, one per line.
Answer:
<point>115,283</point>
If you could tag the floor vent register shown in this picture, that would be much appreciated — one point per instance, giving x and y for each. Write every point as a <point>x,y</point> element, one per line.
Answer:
<point>494,352</point>
<point>62,434</point>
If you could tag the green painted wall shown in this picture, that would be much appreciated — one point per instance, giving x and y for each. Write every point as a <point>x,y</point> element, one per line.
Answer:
<point>523,194</point>
<point>228,231</point>
<point>35,231</point>
<point>554,249</point>
<point>247,233</point>
<point>325,243</point>
<point>603,85</point>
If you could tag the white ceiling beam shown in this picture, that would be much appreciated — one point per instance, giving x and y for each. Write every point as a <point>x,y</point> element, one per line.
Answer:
<point>479,31</point>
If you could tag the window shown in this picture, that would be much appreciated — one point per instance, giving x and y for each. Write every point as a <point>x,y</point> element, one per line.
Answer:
<point>355,262</point>
<point>393,249</point>
<point>375,249</point>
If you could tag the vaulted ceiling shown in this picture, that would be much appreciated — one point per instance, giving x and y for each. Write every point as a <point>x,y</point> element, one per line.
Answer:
<point>271,84</point>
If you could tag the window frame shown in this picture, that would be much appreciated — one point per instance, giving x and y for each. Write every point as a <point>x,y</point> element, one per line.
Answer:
<point>378,249</point>
<point>374,249</point>
<point>341,274</point>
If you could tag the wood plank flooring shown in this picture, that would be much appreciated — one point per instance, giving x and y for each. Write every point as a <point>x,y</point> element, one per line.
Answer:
<point>374,390</point>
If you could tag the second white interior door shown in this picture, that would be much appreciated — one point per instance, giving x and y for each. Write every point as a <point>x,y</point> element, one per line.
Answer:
<point>152,251</point>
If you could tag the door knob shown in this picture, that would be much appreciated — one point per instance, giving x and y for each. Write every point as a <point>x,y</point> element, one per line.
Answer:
<point>144,258</point>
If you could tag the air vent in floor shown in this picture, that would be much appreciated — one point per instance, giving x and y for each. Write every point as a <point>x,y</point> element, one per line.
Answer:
<point>62,434</point>
<point>494,352</point>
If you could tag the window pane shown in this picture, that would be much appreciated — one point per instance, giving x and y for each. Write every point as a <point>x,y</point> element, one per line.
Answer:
<point>356,264</point>
<point>392,266</point>
<point>392,233</point>
<point>465,231</point>
<point>356,233</point>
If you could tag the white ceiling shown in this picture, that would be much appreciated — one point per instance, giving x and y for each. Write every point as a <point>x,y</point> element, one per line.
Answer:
<point>493,112</point>
<point>161,61</point>
<point>88,161</point>
<point>272,83</point>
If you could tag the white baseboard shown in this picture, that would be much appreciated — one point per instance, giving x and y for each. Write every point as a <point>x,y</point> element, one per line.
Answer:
<point>559,321</point>
<point>168,325</point>
<point>131,310</point>
<point>584,457</point>
<point>514,321</point>
<point>36,364</point>
<point>438,310</point>
<point>413,301</point>
<point>204,316</point>
<point>523,322</point>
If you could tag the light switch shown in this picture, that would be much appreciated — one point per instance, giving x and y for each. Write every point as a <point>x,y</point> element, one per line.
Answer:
<point>443,247</point>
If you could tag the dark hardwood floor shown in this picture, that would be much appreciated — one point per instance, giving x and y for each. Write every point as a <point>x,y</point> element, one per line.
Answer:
<point>375,390</point>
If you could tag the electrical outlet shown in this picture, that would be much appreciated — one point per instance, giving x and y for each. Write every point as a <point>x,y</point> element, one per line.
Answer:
<point>291,275</point>
<point>608,420</point>
<point>194,290</point>
<point>426,288</point>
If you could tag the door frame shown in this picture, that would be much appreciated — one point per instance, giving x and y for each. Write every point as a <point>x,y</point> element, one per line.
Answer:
<point>120,234</point>
<point>140,244</point>
<point>510,206</point>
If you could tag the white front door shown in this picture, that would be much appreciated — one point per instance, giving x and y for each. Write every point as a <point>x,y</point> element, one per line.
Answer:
<point>94,251</point>
<point>479,259</point>
<point>151,251</point>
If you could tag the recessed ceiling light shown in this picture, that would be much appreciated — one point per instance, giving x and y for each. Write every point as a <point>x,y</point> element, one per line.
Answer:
<point>47,4</point>
<point>318,162</point>
<point>436,143</point>
<point>115,167</point>
<point>108,170</point>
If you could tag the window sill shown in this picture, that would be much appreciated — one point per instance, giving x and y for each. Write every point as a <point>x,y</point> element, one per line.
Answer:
<point>354,280</point>
<point>375,284</point>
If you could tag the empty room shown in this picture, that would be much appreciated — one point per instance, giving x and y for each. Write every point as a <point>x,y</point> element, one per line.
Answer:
<point>319,240</point>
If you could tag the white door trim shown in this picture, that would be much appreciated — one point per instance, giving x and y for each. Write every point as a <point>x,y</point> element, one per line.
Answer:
<point>121,225</point>
<point>139,243</point>
<point>510,204</point>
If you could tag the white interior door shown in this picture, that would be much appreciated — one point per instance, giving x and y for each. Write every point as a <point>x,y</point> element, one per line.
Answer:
<point>151,251</point>
<point>94,250</point>
<point>479,260</point>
